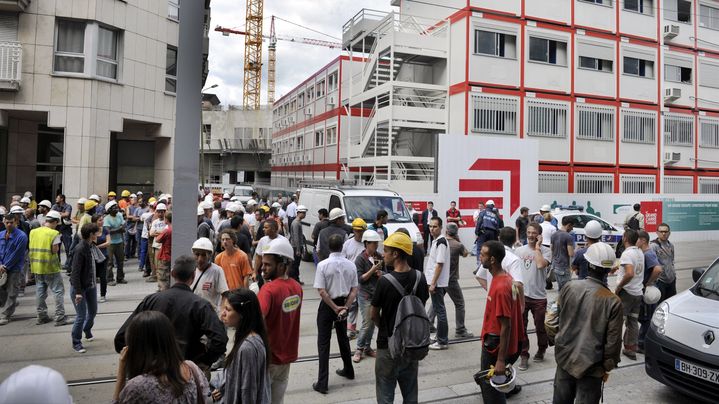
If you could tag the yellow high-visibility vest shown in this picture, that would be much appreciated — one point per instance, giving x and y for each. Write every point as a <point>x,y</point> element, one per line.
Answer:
<point>42,259</point>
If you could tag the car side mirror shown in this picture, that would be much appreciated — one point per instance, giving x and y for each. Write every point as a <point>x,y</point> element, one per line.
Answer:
<point>697,273</point>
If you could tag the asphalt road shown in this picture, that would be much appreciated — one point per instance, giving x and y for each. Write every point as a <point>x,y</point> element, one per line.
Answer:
<point>444,376</point>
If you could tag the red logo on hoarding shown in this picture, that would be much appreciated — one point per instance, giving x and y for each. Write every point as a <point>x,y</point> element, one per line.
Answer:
<point>469,204</point>
<point>652,211</point>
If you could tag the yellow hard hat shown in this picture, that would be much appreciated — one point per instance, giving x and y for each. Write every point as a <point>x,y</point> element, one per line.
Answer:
<point>152,200</point>
<point>400,241</point>
<point>125,193</point>
<point>90,204</point>
<point>359,224</point>
<point>111,193</point>
<point>265,209</point>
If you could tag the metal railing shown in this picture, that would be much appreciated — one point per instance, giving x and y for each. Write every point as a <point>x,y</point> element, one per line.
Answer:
<point>10,61</point>
<point>244,144</point>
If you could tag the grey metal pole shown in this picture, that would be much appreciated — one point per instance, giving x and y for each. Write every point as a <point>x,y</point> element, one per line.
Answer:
<point>187,127</point>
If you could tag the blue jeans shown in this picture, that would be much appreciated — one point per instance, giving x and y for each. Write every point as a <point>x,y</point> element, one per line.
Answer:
<point>54,283</point>
<point>441,312</point>
<point>364,340</point>
<point>391,372</point>
<point>130,244</point>
<point>562,276</point>
<point>143,253</point>
<point>86,311</point>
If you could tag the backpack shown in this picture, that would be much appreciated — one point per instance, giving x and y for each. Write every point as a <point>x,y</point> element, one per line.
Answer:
<point>410,336</point>
<point>633,222</point>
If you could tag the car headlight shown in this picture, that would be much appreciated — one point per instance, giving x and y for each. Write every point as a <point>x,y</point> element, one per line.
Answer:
<point>659,319</point>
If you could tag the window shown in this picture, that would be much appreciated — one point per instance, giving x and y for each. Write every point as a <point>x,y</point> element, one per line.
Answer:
<point>331,135</point>
<point>678,10</point>
<point>171,70</point>
<point>494,115</point>
<point>75,51</point>
<point>319,137</point>
<point>310,93</point>
<point>599,2</point>
<point>595,123</point>
<point>320,89</point>
<point>709,132</point>
<point>639,127</point>
<point>677,74</point>
<point>593,183</point>
<point>709,75</point>
<point>637,184</point>
<point>70,47</point>
<point>173,9</point>
<point>551,182</point>
<point>547,51</point>
<point>546,119</point>
<point>301,100</point>
<point>332,82</point>
<point>638,67</point>
<point>708,17</point>
<point>300,142</point>
<point>495,44</point>
<point>708,185</point>
<point>678,130</point>
<point>678,185</point>
<point>207,130</point>
<point>640,6</point>
<point>595,64</point>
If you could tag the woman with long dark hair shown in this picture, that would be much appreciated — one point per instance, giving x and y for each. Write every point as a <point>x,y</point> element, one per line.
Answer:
<point>83,286</point>
<point>151,369</point>
<point>102,241</point>
<point>246,376</point>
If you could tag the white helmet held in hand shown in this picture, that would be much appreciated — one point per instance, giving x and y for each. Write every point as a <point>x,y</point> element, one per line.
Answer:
<point>504,383</point>
<point>281,247</point>
<point>593,229</point>
<point>652,294</point>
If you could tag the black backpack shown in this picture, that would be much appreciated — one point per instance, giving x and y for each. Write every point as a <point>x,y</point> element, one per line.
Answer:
<point>633,222</point>
<point>410,335</point>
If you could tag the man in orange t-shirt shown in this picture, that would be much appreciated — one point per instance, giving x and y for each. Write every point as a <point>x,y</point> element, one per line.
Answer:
<point>233,261</point>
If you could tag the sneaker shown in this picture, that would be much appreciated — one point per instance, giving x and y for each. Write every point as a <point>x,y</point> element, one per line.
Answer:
<point>111,283</point>
<point>102,299</point>
<point>538,357</point>
<point>523,363</point>
<point>79,348</point>
<point>43,320</point>
<point>4,321</point>
<point>122,281</point>
<point>151,279</point>
<point>89,337</point>
<point>438,347</point>
<point>60,322</point>
<point>357,356</point>
<point>370,352</point>
<point>629,354</point>
<point>463,334</point>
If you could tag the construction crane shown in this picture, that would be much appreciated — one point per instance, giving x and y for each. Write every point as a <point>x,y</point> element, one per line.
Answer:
<point>272,58</point>
<point>253,55</point>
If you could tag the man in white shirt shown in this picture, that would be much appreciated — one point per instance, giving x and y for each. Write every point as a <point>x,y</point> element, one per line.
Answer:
<point>511,263</point>
<point>271,228</point>
<point>209,282</point>
<point>291,211</point>
<point>353,247</point>
<point>480,209</point>
<point>630,276</point>
<point>436,271</point>
<point>336,282</point>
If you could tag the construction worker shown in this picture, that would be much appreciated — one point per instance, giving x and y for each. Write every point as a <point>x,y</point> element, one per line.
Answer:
<point>45,264</point>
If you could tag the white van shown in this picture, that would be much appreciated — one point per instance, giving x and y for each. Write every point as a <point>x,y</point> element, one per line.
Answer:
<point>243,192</point>
<point>357,202</point>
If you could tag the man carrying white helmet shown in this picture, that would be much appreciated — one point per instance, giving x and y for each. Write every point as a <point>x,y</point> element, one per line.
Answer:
<point>281,302</point>
<point>652,271</point>
<point>589,315</point>
<point>298,241</point>
<point>210,282</point>
<point>592,235</point>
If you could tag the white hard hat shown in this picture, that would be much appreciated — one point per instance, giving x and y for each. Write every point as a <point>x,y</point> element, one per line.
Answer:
<point>336,213</point>
<point>593,229</point>
<point>206,205</point>
<point>231,207</point>
<point>490,202</point>
<point>371,235</point>
<point>16,209</point>
<point>235,198</point>
<point>53,214</point>
<point>280,246</point>
<point>209,197</point>
<point>652,294</point>
<point>25,199</point>
<point>225,196</point>
<point>302,208</point>
<point>200,211</point>
<point>22,387</point>
<point>168,196</point>
<point>276,205</point>
<point>545,208</point>
<point>504,383</point>
<point>254,287</point>
<point>27,194</point>
<point>45,203</point>
<point>601,255</point>
<point>2,210</point>
<point>203,243</point>
<point>140,193</point>
<point>95,198</point>
<point>110,205</point>
<point>133,196</point>
<point>161,206</point>
<point>251,202</point>
<point>81,201</point>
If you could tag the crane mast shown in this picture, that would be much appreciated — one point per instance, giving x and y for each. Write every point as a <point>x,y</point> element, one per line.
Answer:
<point>272,58</point>
<point>253,55</point>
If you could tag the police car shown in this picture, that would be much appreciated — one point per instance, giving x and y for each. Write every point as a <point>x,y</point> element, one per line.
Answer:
<point>610,234</point>
<point>681,347</point>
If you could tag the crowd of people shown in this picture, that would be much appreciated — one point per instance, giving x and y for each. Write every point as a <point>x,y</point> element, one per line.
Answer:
<point>242,279</point>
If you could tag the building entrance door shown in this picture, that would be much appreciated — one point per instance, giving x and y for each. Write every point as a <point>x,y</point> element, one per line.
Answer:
<point>48,185</point>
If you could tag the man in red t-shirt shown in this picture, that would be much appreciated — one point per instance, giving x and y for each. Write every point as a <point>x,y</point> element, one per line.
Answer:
<point>502,329</point>
<point>164,256</point>
<point>280,300</point>
<point>453,214</point>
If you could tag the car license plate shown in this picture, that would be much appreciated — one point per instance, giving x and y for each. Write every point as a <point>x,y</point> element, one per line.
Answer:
<point>697,371</point>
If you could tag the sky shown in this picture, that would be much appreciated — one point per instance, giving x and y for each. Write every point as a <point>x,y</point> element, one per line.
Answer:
<point>295,61</point>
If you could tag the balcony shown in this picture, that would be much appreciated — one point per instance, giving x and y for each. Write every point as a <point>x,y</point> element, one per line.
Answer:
<point>10,65</point>
<point>14,5</point>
